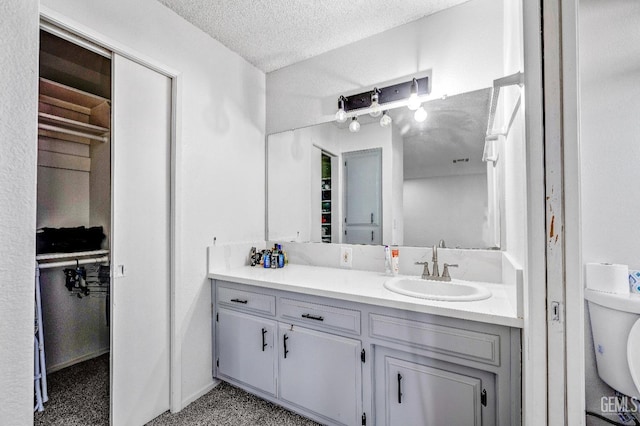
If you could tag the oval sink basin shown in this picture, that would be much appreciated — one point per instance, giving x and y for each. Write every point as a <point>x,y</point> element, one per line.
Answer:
<point>454,290</point>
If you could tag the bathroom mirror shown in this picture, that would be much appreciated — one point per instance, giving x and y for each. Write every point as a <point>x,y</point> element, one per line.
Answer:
<point>410,183</point>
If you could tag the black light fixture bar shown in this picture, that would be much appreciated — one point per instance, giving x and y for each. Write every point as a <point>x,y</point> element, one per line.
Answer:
<point>388,94</point>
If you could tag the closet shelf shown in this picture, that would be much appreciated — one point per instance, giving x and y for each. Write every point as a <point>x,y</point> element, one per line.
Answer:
<point>71,115</point>
<point>75,255</point>
<point>66,123</point>
<point>52,123</point>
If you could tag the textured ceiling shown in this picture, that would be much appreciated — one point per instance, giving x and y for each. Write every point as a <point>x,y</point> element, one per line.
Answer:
<point>272,34</point>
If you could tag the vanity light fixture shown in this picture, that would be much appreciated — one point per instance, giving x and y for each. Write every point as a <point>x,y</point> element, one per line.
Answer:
<point>414,101</point>
<point>420,115</point>
<point>341,115</point>
<point>385,120</point>
<point>354,126</point>
<point>375,109</point>
<point>373,102</point>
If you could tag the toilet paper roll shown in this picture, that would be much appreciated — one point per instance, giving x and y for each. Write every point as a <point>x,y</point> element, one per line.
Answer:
<point>608,277</point>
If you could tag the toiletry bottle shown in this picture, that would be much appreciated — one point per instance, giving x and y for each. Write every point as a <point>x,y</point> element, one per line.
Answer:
<point>395,261</point>
<point>387,260</point>
<point>252,256</point>
<point>274,258</point>
<point>280,257</point>
<point>266,258</point>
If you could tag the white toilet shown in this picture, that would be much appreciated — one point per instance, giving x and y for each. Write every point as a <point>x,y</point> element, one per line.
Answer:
<point>615,321</point>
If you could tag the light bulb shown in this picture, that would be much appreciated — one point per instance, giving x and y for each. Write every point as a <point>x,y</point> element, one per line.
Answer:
<point>420,115</point>
<point>414,102</point>
<point>374,108</point>
<point>354,126</point>
<point>385,121</point>
<point>341,115</point>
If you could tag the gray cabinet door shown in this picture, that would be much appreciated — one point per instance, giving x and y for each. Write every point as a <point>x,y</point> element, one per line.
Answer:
<point>420,395</point>
<point>413,390</point>
<point>246,351</point>
<point>322,373</point>
<point>363,197</point>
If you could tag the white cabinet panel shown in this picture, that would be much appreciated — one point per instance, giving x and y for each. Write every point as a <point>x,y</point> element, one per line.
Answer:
<point>246,350</point>
<point>321,373</point>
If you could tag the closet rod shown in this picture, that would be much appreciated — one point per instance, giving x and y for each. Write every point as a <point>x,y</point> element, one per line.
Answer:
<point>93,260</point>
<point>72,132</point>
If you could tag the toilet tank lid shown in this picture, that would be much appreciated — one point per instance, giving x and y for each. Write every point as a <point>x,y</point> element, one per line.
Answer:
<point>622,302</point>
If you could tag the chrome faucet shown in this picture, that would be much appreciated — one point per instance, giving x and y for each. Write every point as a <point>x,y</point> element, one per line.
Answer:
<point>434,259</point>
<point>435,275</point>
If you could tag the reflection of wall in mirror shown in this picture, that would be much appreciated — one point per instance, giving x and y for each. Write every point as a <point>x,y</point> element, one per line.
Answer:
<point>294,192</point>
<point>446,207</point>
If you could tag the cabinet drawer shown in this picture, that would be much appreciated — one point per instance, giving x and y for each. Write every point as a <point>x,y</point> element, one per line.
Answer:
<point>466,344</point>
<point>246,300</point>
<point>321,315</point>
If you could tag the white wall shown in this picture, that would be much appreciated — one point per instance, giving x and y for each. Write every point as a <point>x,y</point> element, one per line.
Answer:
<point>74,328</point>
<point>609,38</point>
<point>449,207</point>
<point>18,144</point>
<point>463,46</point>
<point>221,151</point>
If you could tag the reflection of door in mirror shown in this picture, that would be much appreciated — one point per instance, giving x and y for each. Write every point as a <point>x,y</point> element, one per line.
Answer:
<point>363,197</point>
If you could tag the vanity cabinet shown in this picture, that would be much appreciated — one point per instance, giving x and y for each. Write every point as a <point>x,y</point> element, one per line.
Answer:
<point>321,372</point>
<point>347,363</point>
<point>294,358</point>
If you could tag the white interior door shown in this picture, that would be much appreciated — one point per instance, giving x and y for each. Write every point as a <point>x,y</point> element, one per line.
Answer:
<point>363,197</point>
<point>141,243</point>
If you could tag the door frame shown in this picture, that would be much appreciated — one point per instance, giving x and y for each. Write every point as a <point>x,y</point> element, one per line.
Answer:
<point>566,355</point>
<point>72,30</point>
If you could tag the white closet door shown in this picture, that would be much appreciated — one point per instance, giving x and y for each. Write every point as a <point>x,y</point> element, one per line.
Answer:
<point>141,243</point>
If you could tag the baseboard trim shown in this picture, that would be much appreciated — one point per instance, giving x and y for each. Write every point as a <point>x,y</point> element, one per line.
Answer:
<point>86,357</point>
<point>194,396</point>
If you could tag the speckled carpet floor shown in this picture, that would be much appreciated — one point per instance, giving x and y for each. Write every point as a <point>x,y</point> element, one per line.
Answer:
<point>79,396</point>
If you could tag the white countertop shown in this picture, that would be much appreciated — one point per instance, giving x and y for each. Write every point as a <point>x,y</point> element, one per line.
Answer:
<point>367,287</point>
